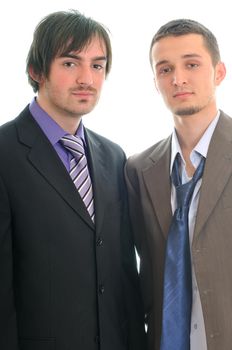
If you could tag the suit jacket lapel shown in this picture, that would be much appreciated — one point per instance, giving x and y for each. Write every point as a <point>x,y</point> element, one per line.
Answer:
<point>100,177</point>
<point>45,159</point>
<point>157,181</point>
<point>218,169</point>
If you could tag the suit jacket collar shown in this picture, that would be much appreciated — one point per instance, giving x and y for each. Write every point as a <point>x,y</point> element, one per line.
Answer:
<point>45,159</point>
<point>100,171</point>
<point>218,169</point>
<point>157,181</point>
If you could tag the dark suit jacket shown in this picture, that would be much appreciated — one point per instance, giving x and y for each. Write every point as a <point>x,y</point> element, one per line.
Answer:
<point>64,284</point>
<point>149,187</point>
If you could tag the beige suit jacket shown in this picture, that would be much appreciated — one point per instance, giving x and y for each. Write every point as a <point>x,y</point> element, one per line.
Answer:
<point>148,180</point>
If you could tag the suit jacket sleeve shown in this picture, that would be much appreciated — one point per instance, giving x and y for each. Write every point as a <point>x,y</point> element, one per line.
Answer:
<point>8,329</point>
<point>137,337</point>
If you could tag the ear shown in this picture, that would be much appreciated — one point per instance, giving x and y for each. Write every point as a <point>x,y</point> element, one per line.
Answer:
<point>220,72</point>
<point>36,77</point>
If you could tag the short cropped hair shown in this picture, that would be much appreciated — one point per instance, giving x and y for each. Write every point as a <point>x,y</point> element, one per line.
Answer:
<point>60,33</point>
<point>180,27</point>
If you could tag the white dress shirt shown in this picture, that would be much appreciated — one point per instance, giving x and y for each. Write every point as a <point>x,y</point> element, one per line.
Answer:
<point>197,335</point>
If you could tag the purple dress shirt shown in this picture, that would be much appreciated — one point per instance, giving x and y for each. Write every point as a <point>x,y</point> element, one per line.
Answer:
<point>53,131</point>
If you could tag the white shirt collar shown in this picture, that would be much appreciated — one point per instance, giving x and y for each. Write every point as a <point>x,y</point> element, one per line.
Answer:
<point>199,150</point>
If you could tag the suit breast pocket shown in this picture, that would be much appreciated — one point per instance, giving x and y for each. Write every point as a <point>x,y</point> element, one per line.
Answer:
<point>37,344</point>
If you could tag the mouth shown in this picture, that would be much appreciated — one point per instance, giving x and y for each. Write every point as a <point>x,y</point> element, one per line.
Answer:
<point>182,94</point>
<point>83,94</point>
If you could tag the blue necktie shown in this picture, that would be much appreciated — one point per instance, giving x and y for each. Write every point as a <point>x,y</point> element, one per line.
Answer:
<point>177,300</point>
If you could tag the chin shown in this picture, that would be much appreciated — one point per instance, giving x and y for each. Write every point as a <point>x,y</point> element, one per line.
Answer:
<point>187,111</point>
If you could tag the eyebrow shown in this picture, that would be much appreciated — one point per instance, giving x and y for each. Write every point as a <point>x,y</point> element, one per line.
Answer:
<point>77,57</point>
<point>161,62</point>
<point>189,55</point>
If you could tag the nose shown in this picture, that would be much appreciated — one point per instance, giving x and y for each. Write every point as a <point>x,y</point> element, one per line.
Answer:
<point>179,78</point>
<point>85,76</point>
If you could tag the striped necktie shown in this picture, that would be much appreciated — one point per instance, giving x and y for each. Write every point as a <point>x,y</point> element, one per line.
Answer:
<point>79,170</point>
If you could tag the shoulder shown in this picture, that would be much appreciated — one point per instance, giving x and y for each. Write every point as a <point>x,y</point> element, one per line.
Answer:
<point>225,119</point>
<point>150,155</point>
<point>97,140</point>
<point>11,125</point>
<point>223,130</point>
<point>7,132</point>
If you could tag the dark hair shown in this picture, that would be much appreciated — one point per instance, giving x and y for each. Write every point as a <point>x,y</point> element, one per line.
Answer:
<point>60,33</point>
<point>180,27</point>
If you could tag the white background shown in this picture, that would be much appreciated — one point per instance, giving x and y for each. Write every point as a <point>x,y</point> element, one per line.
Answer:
<point>130,111</point>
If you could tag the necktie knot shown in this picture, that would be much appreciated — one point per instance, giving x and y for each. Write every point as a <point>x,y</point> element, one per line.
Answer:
<point>74,145</point>
<point>184,192</point>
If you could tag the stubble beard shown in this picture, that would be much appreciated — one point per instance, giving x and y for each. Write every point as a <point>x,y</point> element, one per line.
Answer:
<point>187,111</point>
<point>191,110</point>
<point>76,111</point>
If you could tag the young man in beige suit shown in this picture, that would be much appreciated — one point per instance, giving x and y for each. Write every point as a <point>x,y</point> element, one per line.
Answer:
<point>187,70</point>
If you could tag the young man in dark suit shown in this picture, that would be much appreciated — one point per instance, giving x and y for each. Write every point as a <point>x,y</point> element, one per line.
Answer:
<point>67,264</point>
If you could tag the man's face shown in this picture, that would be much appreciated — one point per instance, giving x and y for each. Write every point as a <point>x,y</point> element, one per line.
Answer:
<point>75,81</point>
<point>184,74</point>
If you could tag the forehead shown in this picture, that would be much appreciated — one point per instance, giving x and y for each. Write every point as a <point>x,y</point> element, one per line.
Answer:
<point>177,47</point>
<point>95,46</point>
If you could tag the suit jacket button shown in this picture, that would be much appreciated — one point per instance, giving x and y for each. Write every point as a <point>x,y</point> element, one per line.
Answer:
<point>101,289</point>
<point>97,339</point>
<point>99,241</point>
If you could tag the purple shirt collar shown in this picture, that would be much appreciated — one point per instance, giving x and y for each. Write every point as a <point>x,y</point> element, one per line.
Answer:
<point>51,129</point>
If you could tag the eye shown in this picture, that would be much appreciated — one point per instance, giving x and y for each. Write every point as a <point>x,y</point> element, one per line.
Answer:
<point>98,66</point>
<point>192,65</point>
<point>69,64</point>
<point>164,70</point>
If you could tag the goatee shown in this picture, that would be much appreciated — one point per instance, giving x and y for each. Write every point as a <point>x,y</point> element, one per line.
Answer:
<point>187,111</point>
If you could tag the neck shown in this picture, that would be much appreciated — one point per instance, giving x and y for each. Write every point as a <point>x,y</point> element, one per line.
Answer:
<point>66,121</point>
<point>189,131</point>
<point>68,125</point>
<point>191,128</point>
